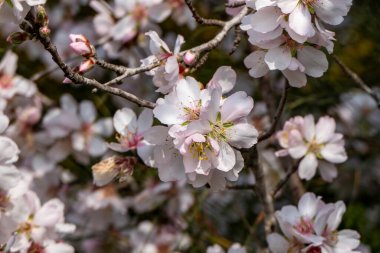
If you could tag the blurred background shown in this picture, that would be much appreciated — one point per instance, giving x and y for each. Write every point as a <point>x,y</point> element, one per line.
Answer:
<point>200,218</point>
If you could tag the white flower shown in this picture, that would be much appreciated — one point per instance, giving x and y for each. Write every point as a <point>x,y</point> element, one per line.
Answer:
<point>312,227</point>
<point>10,83</point>
<point>170,71</point>
<point>131,133</point>
<point>79,122</point>
<point>317,144</point>
<point>235,248</point>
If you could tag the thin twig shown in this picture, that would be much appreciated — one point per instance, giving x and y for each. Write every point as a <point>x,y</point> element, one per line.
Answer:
<point>200,20</point>
<point>77,78</point>
<point>283,182</point>
<point>241,187</point>
<point>277,116</point>
<point>356,78</point>
<point>235,4</point>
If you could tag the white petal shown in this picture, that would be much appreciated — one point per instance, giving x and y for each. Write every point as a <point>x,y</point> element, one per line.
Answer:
<point>255,62</point>
<point>296,78</point>
<point>145,121</point>
<point>328,171</point>
<point>308,167</point>
<point>224,78</point>
<point>314,60</point>
<point>308,205</point>
<point>236,106</point>
<point>87,111</point>
<point>278,58</point>
<point>277,243</point>
<point>123,120</point>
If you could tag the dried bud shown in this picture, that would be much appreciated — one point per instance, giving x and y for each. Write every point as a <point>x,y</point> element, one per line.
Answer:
<point>41,16</point>
<point>87,65</point>
<point>109,169</point>
<point>81,45</point>
<point>189,58</point>
<point>17,38</point>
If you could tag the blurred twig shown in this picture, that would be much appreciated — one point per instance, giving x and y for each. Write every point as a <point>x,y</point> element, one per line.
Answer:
<point>200,20</point>
<point>277,116</point>
<point>235,4</point>
<point>356,78</point>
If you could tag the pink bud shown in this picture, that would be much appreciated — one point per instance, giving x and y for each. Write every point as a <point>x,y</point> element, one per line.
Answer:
<point>189,58</point>
<point>81,45</point>
<point>87,65</point>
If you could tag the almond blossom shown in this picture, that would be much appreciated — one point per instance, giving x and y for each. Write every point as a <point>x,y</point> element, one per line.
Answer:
<point>317,144</point>
<point>235,248</point>
<point>79,123</point>
<point>125,22</point>
<point>131,131</point>
<point>280,28</point>
<point>170,71</point>
<point>312,227</point>
<point>12,84</point>
<point>205,131</point>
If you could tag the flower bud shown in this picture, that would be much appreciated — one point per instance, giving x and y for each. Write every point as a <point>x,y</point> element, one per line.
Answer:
<point>44,31</point>
<point>107,170</point>
<point>17,38</point>
<point>81,45</point>
<point>41,16</point>
<point>87,65</point>
<point>189,58</point>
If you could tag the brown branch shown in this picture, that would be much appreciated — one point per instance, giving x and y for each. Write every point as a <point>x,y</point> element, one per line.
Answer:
<point>76,77</point>
<point>356,78</point>
<point>235,4</point>
<point>109,66</point>
<point>277,116</point>
<point>261,190</point>
<point>200,20</point>
<point>283,182</point>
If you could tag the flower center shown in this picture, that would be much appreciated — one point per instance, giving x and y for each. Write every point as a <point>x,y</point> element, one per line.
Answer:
<point>130,140</point>
<point>314,250</point>
<point>5,81</point>
<point>139,13</point>
<point>36,248</point>
<point>199,150</point>
<point>314,148</point>
<point>304,227</point>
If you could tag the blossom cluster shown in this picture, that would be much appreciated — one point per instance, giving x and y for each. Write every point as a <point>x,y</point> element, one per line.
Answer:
<point>203,136</point>
<point>312,227</point>
<point>122,25</point>
<point>25,224</point>
<point>317,144</point>
<point>290,35</point>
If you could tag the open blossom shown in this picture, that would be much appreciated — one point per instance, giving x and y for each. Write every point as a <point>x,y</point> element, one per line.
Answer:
<point>317,144</point>
<point>121,25</point>
<point>79,123</point>
<point>35,224</point>
<point>205,131</point>
<point>170,71</point>
<point>280,28</point>
<point>130,133</point>
<point>313,227</point>
<point>12,84</point>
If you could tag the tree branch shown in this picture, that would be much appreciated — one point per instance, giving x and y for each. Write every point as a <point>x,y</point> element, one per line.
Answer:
<point>235,4</point>
<point>356,78</point>
<point>200,20</point>
<point>277,116</point>
<point>283,182</point>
